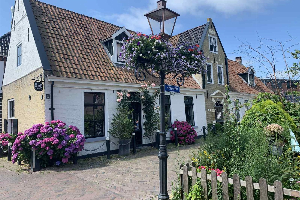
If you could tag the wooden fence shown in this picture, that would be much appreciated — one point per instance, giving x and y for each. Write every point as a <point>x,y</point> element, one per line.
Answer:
<point>186,171</point>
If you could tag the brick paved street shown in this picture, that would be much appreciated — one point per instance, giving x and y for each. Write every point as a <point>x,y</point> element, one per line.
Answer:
<point>133,177</point>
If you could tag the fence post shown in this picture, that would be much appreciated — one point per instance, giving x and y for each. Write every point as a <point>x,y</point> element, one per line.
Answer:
<point>34,162</point>
<point>176,136</point>
<point>278,190</point>
<point>194,175</point>
<point>185,181</point>
<point>263,189</point>
<point>204,182</point>
<point>204,132</point>
<point>214,129</point>
<point>9,152</point>
<point>214,185</point>
<point>134,144</point>
<point>237,187</point>
<point>249,188</point>
<point>108,147</point>
<point>225,186</point>
<point>157,139</point>
<point>1,151</point>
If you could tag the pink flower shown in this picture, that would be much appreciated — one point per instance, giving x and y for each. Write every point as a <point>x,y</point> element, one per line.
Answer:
<point>153,85</point>
<point>59,146</point>
<point>72,136</point>
<point>128,95</point>
<point>118,100</point>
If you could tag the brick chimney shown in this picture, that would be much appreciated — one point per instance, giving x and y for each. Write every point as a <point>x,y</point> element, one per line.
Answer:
<point>238,59</point>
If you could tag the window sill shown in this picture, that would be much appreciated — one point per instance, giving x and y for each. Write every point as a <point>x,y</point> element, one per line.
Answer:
<point>97,139</point>
<point>195,127</point>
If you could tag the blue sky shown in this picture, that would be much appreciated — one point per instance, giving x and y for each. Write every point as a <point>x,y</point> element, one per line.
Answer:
<point>235,20</point>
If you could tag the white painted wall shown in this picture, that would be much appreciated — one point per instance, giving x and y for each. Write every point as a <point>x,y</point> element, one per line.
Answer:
<point>69,107</point>
<point>1,74</point>
<point>242,98</point>
<point>30,57</point>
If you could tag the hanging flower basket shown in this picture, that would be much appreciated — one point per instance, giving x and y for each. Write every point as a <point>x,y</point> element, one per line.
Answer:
<point>152,54</point>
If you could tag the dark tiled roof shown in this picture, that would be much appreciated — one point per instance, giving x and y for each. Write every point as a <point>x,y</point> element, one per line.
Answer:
<point>237,83</point>
<point>73,46</point>
<point>192,36</point>
<point>4,44</point>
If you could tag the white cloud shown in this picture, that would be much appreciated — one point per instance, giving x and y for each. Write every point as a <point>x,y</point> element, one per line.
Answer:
<point>134,18</point>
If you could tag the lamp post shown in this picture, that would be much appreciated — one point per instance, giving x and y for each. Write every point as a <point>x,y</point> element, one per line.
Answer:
<point>163,20</point>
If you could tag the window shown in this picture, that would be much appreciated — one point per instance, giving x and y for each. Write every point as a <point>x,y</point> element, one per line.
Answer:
<point>209,73</point>
<point>213,45</point>
<point>220,75</point>
<point>11,109</point>
<point>251,79</point>
<point>168,111</point>
<point>94,117</point>
<point>19,55</point>
<point>189,112</point>
<point>219,112</point>
<point>119,49</point>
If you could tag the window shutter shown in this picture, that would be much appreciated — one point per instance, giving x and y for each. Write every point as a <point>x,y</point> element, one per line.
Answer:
<point>5,125</point>
<point>15,126</point>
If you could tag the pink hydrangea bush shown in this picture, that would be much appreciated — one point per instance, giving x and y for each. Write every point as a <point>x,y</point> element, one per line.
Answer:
<point>53,142</point>
<point>4,139</point>
<point>185,132</point>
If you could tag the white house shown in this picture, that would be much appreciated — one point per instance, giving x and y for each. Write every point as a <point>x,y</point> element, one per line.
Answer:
<point>63,65</point>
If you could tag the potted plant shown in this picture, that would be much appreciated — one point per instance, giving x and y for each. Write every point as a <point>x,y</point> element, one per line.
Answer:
<point>122,128</point>
<point>276,139</point>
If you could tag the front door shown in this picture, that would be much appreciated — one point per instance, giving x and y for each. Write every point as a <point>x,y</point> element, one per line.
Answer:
<point>136,117</point>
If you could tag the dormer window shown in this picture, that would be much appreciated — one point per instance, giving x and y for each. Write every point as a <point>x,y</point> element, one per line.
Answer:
<point>249,77</point>
<point>114,45</point>
<point>213,44</point>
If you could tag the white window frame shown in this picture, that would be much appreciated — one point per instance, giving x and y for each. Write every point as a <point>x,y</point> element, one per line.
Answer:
<point>19,56</point>
<point>8,109</point>
<point>222,69</point>
<point>212,73</point>
<point>210,36</point>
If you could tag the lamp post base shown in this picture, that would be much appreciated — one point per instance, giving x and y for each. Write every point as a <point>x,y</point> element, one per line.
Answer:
<point>162,196</point>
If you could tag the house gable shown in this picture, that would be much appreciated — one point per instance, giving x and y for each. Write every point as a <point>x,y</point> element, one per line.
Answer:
<point>26,52</point>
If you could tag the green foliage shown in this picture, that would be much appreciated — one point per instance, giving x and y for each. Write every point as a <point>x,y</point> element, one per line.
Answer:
<point>295,69</point>
<point>268,112</point>
<point>122,126</point>
<point>151,113</point>
<point>293,109</point>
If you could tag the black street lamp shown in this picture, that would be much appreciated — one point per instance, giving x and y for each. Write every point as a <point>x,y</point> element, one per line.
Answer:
<point>162,21</point>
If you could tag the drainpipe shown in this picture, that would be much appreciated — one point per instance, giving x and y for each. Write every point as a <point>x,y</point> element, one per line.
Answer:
<point>52,109</point>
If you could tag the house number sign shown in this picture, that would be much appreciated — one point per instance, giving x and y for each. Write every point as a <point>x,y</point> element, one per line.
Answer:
<point>38,85</point>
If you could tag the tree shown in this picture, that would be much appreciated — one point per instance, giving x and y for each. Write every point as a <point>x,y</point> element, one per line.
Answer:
<point>271,54</point>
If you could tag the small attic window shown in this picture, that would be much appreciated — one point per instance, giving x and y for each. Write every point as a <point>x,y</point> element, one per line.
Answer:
<point>249,77</point>
<point>213,44</point>
<point>114,45</point>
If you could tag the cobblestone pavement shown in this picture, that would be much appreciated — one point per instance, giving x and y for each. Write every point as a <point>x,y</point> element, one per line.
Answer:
<point>132,177</point>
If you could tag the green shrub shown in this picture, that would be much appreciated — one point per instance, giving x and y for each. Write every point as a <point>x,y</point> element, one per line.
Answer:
<point>267,112</point>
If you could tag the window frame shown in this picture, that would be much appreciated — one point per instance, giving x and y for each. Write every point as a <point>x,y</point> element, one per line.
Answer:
<point>222,71</point>
<point>211,73</point>
<point>237,110</point>
<point>11,111</point>
<point>94,106</point>
<point>19,56</point>
<point>216,47</point>
<point>189,105</point>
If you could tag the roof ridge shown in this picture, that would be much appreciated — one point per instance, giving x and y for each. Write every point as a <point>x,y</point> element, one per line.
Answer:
<point>189,30</point>
<point>79,14</point>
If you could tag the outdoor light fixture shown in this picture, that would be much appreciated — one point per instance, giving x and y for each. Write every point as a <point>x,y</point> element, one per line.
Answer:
<point>162,20</point>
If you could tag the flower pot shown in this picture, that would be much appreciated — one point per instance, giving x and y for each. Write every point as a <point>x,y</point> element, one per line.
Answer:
<point>124,147</point>
<point>276,150</point>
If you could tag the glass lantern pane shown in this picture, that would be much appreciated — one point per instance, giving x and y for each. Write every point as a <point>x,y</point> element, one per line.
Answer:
<point>169,25</point>
<point>155,26</point>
